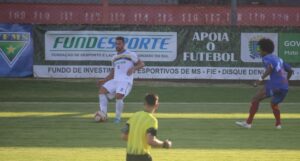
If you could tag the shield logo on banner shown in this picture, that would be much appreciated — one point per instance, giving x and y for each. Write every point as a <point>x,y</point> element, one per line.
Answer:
<point>253,48</point>
<point>249,47</point>
<point>12,45</point>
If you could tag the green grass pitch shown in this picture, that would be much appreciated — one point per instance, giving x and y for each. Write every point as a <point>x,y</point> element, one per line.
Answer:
<point>52,120</point>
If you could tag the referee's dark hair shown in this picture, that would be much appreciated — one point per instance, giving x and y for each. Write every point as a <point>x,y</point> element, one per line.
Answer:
<point>151,99</point>
<point>266,45</point>
<point>120,38</point>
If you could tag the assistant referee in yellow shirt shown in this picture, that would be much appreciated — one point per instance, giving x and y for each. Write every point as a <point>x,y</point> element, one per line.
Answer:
<point>140,132</point>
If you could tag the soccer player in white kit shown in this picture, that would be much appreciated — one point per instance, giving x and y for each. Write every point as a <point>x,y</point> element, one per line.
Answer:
<point>119,82</point>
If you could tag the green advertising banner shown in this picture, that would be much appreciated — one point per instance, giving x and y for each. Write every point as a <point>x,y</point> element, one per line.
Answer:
<point>176,52</point>
<point>289,47</point>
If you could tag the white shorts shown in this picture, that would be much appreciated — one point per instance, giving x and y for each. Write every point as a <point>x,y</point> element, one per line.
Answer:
<point>113,87</point>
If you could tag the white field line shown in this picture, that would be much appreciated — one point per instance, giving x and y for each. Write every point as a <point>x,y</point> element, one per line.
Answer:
<point>181,103</point>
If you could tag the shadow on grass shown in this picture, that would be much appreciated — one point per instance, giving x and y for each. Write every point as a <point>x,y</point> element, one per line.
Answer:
<point>133,107</point>
<point>71,130</point>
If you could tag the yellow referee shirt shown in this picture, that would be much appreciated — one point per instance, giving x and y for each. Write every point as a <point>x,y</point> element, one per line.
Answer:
<point>139,124</point>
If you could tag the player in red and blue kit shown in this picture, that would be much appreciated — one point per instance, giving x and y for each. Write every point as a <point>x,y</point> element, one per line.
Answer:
<point>277,87</point>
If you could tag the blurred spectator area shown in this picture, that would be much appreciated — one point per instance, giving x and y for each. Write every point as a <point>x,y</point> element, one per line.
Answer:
<point>53,1</point>
<point>167,2</point>
<point>242,2</point>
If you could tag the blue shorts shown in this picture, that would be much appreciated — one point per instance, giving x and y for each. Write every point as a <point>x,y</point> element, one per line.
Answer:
<point>277,95</point>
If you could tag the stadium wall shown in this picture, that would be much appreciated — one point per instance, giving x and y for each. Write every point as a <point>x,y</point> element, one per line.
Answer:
<point>176,42</point>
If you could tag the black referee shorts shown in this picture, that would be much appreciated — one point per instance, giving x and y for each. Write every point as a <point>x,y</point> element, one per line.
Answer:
<point>145,157</point>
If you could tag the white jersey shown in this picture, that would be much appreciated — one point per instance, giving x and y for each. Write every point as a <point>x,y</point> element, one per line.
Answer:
<point>122,63</point>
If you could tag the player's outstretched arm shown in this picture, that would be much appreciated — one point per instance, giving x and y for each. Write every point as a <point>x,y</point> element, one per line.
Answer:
<point>267,72</point>
<point>153,141</point>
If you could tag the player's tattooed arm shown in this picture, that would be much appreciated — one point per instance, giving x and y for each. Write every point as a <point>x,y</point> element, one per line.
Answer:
<point>139,65</point>
<point>110,76</point>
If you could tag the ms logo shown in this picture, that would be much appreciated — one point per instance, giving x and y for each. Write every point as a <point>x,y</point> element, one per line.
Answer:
<point>254,48</point>
<point>250,48</point>
<point>12,45</point>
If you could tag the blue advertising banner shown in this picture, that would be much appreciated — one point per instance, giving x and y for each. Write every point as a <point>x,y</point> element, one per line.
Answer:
<point>16,50</point>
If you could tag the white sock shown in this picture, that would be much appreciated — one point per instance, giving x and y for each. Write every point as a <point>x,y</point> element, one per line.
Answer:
<point>103,103</point>
<point>119,108</point>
